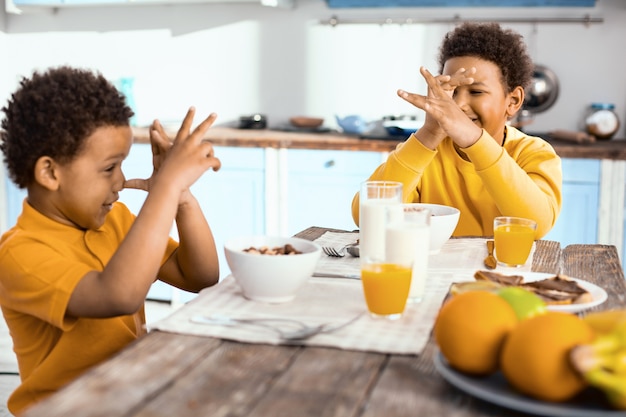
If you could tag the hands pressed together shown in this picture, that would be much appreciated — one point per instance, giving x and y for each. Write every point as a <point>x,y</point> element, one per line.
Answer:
<point>181,161</point>
<point>444,117</point>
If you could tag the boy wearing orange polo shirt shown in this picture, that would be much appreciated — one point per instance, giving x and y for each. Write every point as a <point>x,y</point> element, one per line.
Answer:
<point>466,155</point>
<point>77,266</point>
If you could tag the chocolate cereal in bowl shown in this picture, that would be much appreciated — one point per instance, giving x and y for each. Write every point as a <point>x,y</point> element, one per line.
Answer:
<point>271,269</point>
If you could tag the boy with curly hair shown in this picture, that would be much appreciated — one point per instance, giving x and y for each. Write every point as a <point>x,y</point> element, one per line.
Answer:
<point>466,155</point>
<point>77,266</point>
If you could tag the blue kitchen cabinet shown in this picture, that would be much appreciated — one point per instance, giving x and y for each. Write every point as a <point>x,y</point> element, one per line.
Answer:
<point>232,200</point>
<point>321,185</point>
<point>578,221</point>
<point>14,200</point>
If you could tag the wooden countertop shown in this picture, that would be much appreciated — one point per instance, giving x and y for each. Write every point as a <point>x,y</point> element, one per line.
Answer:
<point>264,138</point>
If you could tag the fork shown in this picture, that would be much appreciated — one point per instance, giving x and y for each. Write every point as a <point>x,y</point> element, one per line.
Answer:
<point>330,251</point>
<point>301,332</point>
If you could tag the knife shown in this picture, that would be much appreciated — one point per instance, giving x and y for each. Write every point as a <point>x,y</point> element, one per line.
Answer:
<point>332,275</point>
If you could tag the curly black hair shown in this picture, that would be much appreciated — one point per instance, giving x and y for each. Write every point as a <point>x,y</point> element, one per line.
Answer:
<point>488,41</point>
<point>52,113</point>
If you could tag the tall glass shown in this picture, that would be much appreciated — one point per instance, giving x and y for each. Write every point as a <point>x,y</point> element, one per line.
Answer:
<point>386,287</point>
<point>385,284</point>
<point>374,196</point>
<point>408,240</point>
<point>513,237</point>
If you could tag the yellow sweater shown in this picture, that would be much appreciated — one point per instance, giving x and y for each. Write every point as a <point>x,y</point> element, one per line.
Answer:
<point>523,178</point>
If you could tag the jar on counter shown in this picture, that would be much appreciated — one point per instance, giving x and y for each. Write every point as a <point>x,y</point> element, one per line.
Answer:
<point>602,121</point>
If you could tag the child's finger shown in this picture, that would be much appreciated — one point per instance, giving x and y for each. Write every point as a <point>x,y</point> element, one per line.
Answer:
<point>185,127</point>
<point>159,142</point>
<point>137,184</point>
<point>462,77</point>
<point>415,99</point>
<point>202,128</point>
<point>215,163</point>
<point>430,79</point>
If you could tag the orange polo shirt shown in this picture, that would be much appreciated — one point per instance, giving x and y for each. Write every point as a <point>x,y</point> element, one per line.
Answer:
<point>41,261</point>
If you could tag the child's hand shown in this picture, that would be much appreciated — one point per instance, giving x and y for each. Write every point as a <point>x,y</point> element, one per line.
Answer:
<point>187,153</point>
<point>450,82</point>
<point>441,109</point>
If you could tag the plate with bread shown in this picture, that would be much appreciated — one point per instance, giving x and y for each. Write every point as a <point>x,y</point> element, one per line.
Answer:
<point>560,292</point>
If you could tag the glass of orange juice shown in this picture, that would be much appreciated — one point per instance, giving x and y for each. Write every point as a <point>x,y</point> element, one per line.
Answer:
<point>386,276</point>
<point>386,287</point>
<point>514,237</point>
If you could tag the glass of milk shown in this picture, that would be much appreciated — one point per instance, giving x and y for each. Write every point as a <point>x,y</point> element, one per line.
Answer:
<point>374,197</point>
<point>407,239</point>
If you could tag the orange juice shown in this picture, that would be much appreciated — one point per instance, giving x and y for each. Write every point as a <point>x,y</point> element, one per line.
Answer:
<point>513,243</point>
<point>386,287</point>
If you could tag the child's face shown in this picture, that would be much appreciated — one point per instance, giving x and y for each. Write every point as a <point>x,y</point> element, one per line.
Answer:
<point>89,185</point>
<point>485,101</point>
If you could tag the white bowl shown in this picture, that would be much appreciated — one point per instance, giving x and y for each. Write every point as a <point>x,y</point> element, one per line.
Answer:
<point>271,278</point>
<point>443,221</point>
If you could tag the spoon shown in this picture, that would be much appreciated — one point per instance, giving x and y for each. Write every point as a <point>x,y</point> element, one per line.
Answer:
<point>296,330</point>
<point>353,249</point>
<point>490,261</point>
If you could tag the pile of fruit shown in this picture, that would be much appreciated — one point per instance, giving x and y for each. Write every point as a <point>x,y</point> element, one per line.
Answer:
<point>547,355</point>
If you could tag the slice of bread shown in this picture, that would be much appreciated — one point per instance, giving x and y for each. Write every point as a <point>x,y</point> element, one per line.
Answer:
<point>559,290</point>
<point>498,278</point>
<point>461,287</point>
<point>555,290</point>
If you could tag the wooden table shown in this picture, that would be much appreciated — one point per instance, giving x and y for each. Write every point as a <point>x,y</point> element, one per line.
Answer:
<point>166,374</point>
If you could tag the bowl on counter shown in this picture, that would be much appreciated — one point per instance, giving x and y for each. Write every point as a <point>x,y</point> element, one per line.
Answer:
<point>403,127</point>
<point>271,278</point>
<point>443,221</point>
<point>306,122</point>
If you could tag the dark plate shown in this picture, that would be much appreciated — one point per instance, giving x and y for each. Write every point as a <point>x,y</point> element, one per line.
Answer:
<point>495,389</point>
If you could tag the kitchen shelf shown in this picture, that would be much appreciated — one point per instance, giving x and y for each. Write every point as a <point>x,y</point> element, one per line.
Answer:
<point>585,20</point>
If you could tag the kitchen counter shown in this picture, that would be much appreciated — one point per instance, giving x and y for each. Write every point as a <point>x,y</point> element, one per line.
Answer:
<point>610,153</point>
<point>276,139</point>
<point>614,149</point>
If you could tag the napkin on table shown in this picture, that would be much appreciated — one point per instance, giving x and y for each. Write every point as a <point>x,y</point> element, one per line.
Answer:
<point>336,300</point>
<point>321,300</point>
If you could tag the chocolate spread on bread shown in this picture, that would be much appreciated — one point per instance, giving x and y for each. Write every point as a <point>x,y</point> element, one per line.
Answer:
<point>498,278</point>
<point>554,290</point>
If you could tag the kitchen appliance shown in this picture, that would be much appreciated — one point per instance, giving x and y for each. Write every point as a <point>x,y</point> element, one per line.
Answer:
<point>540,95</point>
<point>255,121</point>
<point>602,121</point>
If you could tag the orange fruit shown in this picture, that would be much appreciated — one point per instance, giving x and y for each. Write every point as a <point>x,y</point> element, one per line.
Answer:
<point>470,330</point>
<point>535,356</point>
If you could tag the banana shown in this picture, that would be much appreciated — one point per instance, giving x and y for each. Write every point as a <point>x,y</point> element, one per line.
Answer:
<point>602,363</point>
<point>613,386</point>
<point>603,322</point>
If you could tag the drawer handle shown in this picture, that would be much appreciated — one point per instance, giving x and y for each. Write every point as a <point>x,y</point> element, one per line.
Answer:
<point>329,164</point>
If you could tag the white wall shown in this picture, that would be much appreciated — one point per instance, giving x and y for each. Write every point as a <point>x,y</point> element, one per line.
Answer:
<point>238,59</point>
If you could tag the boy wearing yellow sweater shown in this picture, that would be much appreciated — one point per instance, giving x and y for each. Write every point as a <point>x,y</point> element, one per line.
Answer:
<point>465,155</point>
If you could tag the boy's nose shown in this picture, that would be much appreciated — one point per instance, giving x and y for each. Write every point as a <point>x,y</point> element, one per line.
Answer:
<point>119,181</point>
<point>461,99</point>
